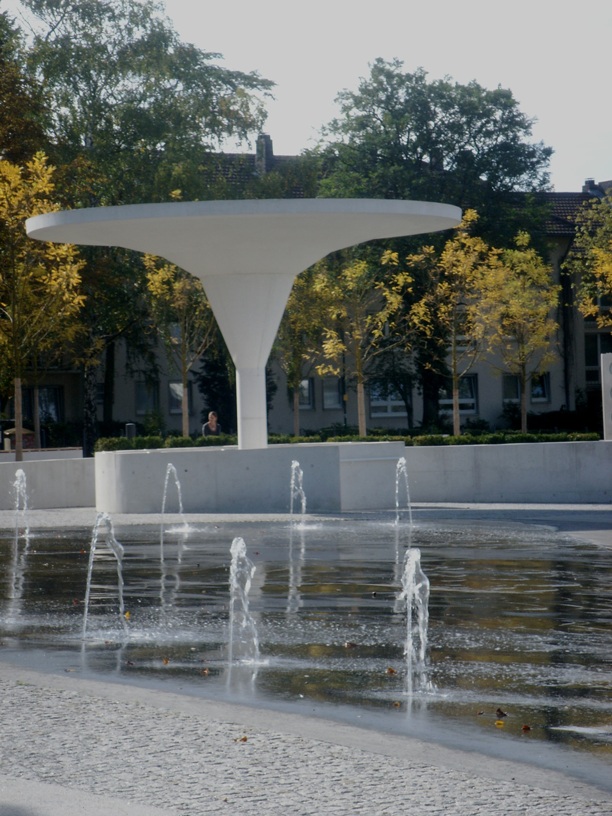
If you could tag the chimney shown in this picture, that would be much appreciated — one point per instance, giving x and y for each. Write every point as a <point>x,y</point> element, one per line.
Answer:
<point>264,154</point>
<point>591,187</point>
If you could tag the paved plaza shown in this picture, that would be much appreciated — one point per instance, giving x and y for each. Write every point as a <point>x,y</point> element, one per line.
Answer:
<point>76,747</point>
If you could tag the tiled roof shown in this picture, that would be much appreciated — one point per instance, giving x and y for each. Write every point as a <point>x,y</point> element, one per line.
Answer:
<point>563,210</point>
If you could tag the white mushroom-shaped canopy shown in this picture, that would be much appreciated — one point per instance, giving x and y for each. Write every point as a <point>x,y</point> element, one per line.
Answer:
<point>247,255</point>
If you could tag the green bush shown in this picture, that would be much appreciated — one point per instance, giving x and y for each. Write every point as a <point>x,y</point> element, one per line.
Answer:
<point>501,437</point>
<point>113,443</point>
<point>287,439</point>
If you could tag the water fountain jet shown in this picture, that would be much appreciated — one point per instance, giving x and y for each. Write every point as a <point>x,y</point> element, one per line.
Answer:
<point>243,642</point>
<point>401,477</point>
<point>20,493</point>
<point>415,596</point>
<point>297,489</point>
<point>103,520</point>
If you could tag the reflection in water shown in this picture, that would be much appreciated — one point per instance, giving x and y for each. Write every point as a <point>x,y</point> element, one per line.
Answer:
<point>519,618</point>
<point>297,557</point>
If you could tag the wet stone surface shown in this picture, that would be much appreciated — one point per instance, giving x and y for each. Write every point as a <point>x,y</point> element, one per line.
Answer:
<point>518,639</point>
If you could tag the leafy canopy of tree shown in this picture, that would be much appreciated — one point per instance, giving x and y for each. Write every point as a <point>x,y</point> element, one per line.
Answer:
<point>517,302</point>
<point>135,116</point>
<point>300,335</point>
<point>405,137</point>
<point>22,110</point>
<point>362,310</point>
<point>590,261</point>
<point>135,109</point>
<point>449,310</point>
<point>40,297</point>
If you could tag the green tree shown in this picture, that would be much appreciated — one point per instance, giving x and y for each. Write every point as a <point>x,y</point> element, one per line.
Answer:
<point>136,115</point>
<point>132,102</point>
<point>402,136</point>
<point>40,297</point>
<point>183,318</point>
<point>449,310</point>
<point>22,110</point>
<point>361,312</point>
<point>590,261</point>
<point>518,301</point>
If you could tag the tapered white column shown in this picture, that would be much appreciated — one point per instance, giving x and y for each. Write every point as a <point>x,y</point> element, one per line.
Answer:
<point>252,415</point>
<point>249,309</point>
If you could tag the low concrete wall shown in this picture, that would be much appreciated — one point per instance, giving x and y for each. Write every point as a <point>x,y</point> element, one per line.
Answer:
<point>50,483</point>
<point>336,477</point>
<point>548,472</point>
<point>37,454</point>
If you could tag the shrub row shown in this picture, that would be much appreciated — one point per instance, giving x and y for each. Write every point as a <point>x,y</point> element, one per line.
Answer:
<point>499,438</point>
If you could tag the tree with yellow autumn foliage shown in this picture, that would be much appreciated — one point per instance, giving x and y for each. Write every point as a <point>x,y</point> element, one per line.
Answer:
<point>362,311</point>
<point>40,298</point>
<point>518,302</point>
<point>449,308</point>
<point>590,261</point>
<point>182,317</point>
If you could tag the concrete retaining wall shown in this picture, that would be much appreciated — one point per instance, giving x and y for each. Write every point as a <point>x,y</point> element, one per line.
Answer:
<point>548,472</point>
<point>36,454</point>
<point>336,477</point>
<point>227,480</point>
<point>50,483</point>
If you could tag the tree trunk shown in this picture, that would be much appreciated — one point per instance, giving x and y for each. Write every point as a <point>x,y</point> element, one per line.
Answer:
<point>523,404</point>
<point>361,412</point>
<point>18,421</point>
<point>296,411</point>
<point>456,414</point>
<point>185,403</point>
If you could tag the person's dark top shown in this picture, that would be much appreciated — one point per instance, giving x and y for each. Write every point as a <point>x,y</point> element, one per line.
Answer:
<point>208,431</point>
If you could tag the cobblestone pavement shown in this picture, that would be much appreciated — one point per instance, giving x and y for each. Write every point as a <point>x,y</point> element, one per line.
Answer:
<point>162,753</point>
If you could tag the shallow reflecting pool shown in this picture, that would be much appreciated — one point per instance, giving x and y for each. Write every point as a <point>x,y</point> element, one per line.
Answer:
<point>519,634</point>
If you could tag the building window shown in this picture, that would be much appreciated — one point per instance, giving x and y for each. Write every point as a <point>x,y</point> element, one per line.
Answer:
<point>540,388</point>
<point>50,403</point>
<point>147,398</point>
<point>390,405</point>
<point>332,394</point>
<point>468,395</point>
<point>307,394</point>
<point>511,388</point>
<point>595,344</point>
<point>175,397</point>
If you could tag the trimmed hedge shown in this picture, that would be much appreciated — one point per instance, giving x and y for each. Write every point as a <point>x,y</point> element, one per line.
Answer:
<point>499,438</point>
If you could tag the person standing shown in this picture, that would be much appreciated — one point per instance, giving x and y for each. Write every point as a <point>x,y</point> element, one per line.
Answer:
<point>212,427</point>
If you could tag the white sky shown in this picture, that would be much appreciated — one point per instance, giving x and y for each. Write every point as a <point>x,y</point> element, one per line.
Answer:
<point>552,54</point>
